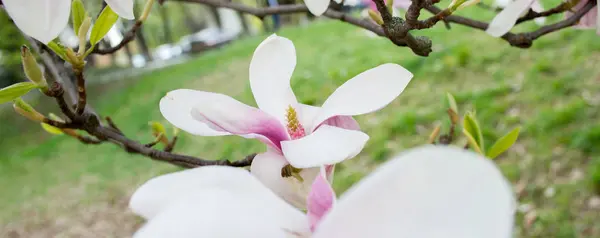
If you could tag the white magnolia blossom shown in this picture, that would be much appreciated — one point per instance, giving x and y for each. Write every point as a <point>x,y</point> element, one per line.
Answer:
<point>507,18</point>
<point>426,192</point>
<point>303,136</point>
<point>44,20</point>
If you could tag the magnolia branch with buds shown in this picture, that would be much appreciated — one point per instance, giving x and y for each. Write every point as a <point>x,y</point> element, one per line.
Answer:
<point>397,29</point>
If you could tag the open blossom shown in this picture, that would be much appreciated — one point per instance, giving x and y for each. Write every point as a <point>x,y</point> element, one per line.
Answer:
<point>507,18</point>
<point>589,20</point>
<point>303,136</point>
<point>426,192</point>
<point>44,20</point>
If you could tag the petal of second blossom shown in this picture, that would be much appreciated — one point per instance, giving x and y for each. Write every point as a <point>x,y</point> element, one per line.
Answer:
<point>159,192</point>
<point>43,20</point>
<point>267,168</point>
<point>317,7</point>
<point>223,113</point>
<point>326,145</point>
<point>320,199</point>
<point>271,69</point>
<point>367,92</point>
<point>123,8</point>
<point>426,192</point>
<point>213,199</point>
<point>506,19</point>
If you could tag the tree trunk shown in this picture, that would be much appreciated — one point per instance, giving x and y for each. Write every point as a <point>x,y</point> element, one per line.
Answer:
<point>192,24</point>
<point>167,36</point>
<point>245,25</point>
<point>215,13</point>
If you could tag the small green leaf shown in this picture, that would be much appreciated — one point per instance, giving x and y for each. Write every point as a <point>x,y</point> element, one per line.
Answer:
<point>472,143</point>
<point>55,117</point>
<point>471,125</point>
<point>78,13</point>
<point>504,143</point>
<point>452,102</point>
<point>50,129</point>
<point>16,90</point>
<point>58,49</point>
<point>103,24</point>
<point>157,128</point>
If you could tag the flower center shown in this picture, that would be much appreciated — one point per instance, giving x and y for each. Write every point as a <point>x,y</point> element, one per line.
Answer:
<point>294,128</point>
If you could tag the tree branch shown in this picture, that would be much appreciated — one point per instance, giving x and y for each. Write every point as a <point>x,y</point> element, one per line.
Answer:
<point>521,40</point>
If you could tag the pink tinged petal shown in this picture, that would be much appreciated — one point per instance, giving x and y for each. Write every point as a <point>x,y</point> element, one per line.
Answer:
<point>367,92</point>
<point>327,145</point>
<point>43,20</point>
<point>346,122</point>
<point>317,7</point>
<point>123,8</point>
<point>223,113</point>
<point>426,192</point>
<point>271,69</point>
<point>267,168</point>
<point>506,19</point>
<point>176,107</point>
<point>206,201</point>
<point>320,199</point>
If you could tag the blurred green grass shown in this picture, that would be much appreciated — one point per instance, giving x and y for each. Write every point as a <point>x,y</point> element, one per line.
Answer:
<point>552,90</point>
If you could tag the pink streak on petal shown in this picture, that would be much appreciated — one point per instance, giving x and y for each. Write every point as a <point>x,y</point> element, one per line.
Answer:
<point>588,21</point>
<point>345,122</point>
<point>256,124</point>
<point>320,200</point>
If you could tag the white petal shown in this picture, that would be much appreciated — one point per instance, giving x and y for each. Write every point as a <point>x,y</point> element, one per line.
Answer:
<point>223,113</point>
<point>427,192</point>
<point>205,202</point>
<point>506,19</point>
<point>317,7</point>
<point>176,107</point>
<point>367,92</point>
<point>123,8</point>
<point>267,168</point>
<point>271,69</point>
<point>43,20</point>
<point>157,193</point>
<point>326,145</point>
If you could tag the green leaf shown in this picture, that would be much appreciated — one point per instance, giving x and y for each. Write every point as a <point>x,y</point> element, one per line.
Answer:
<point>16,90</point>
<point>103,24</point>
<point>157,128</point>
<point>472,143</point>
<point>58,49</point>
<point>503,143</point>
<point>471,125</point>
<point>50,129</point>
<point>78,13</point>
<point>452,102</point>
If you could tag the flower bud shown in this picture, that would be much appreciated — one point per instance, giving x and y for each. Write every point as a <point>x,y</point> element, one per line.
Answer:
<point>83,30</point>
<point>27,111</point>
<point>376,17</point>
<point>31,68</point>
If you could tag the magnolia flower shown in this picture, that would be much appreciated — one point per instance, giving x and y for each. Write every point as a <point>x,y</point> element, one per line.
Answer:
<point>507,18</point>
<point>303,136</point>
<point>44,20</point>
<point>427,192</point>
<point>589,20</point>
